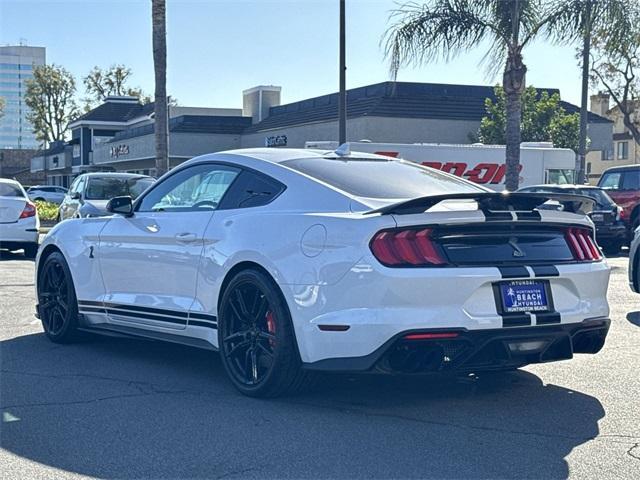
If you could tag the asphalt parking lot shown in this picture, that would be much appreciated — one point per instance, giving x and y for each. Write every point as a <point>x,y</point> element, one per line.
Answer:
<point>120,408</point>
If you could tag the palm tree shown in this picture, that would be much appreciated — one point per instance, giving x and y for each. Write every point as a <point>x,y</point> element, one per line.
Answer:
<point>444,28</point>
<point>158,18</point>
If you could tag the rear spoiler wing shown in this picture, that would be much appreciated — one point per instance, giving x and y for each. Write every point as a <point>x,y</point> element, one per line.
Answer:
<point>492,201</point>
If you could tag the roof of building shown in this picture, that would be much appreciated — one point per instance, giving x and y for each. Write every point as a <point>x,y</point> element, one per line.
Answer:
<point>116,112</point>
<point>396,99</point>
<point>192,124</point>
<point>54,148</point>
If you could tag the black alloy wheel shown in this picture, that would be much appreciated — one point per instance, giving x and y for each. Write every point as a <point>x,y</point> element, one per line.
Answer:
<point>57,302</point>
<point>256,338</point>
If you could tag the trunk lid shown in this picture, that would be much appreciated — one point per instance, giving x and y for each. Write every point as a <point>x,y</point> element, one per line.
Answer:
<point>11,208</point>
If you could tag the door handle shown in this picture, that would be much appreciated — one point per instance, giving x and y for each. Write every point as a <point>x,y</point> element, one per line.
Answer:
<point>186,237</point>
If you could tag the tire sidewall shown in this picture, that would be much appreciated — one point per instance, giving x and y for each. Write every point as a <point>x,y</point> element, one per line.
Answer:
<point>284,352</point>
<point>69,328</point>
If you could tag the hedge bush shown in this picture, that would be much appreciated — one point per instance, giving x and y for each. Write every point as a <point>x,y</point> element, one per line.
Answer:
<point>47,210</point>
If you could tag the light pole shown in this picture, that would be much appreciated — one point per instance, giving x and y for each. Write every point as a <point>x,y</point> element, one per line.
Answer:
<point>342,103</point>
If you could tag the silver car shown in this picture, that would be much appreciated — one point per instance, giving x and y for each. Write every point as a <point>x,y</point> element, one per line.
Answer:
<point>47,193</point>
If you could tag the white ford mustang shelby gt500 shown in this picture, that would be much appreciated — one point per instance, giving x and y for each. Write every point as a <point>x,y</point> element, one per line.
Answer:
<point>289,261</point>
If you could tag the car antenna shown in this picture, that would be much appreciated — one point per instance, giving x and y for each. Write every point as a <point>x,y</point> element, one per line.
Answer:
<point>343,150</point>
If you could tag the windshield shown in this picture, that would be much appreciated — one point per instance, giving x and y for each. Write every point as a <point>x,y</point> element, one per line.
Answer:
<point>373,178</point>
<point>105,188</point>
<point>10,190</point>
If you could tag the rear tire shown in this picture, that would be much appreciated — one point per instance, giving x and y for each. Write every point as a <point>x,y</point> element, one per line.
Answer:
<point>57,303</point>
<point>256,338</point>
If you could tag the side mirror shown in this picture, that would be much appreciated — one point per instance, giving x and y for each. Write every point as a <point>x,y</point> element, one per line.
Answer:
<point>121,205</point>
<point>75,196</point>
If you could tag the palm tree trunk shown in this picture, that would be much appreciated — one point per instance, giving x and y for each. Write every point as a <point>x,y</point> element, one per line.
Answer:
<point>158,16</point>
<point>582,142</point>
<point>513,82</point>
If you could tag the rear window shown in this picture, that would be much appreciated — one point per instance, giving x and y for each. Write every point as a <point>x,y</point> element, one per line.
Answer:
<point>601,198</point>
<point>369,178</point>
<point>10,190</point>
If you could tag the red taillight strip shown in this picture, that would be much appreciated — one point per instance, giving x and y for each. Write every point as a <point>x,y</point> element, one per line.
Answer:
<point>28,211</point>
<point>429,336</point>
<point>582,245</point>
<point>407,247</point>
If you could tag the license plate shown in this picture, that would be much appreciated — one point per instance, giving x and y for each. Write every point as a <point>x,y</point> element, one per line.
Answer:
<point>597,217</point>
<point>524,296</point>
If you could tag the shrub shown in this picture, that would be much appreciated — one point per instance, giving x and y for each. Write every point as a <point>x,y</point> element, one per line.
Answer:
<point>47,210</point>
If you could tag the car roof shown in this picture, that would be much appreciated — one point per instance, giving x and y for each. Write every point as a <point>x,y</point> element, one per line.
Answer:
<point>621,168</point>
<point>567,186</point>
<point>9,180</point>
<point>279,155</point>
<point>47,186</point>
<point>115,174</point>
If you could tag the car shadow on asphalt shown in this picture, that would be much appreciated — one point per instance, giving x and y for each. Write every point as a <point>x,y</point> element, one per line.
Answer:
<point>634,317</point>
<point>122,408</point>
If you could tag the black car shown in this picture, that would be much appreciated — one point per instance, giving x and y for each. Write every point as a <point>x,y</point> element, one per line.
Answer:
<point>610,230</point>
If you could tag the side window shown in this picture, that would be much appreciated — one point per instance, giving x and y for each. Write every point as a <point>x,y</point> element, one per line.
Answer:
<point>80,185</point>
<point>610,181</point>
<point>631,180</point>
<point>195,188</point>
<point>251,190</point>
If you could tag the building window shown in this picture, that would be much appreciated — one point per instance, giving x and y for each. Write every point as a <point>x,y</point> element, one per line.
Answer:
<point>623,150</point>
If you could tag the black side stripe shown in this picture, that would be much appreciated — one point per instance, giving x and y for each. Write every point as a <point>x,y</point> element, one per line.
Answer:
<point>146,316</point>
<point>203,316</point>
<point>149,313</point>
<point>198,323</point>
<point>514,272</point>
<point>90,303</point>
<point>545,271</point>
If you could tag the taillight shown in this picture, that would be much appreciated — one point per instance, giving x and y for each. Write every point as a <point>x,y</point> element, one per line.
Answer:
<point>582,244</point>
<point>405,248</point>
<point>29,210</point>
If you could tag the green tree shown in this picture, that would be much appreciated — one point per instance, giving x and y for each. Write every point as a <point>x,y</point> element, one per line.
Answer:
<point>578,20</point>
<point>159,38</point>
<point>444,28</point>
<point>543,120</point>
<point>614,68</point>
<point>50,97</point>
<point>100,83</point>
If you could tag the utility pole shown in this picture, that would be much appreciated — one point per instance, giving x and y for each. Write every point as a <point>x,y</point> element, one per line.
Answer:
<point>342,103</point>
<point>582,144</point>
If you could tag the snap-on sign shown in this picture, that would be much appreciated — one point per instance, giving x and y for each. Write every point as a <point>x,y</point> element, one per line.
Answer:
<point>483,173</point>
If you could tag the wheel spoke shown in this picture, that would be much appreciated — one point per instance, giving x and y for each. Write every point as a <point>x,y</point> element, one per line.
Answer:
<point>254,365</point>
<point>233,336</point>
<point>267,336</point>
<point>262,309</point>
<point>265,350</point>
<point>238,346</point>
<point>242,304</point>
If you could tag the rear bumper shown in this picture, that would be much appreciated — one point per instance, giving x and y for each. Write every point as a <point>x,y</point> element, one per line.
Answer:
<point>611,233</point>
<point>18,233</point>
<point>476,350</point>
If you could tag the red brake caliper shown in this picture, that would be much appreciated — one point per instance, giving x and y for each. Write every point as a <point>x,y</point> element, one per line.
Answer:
<point>271,326</point>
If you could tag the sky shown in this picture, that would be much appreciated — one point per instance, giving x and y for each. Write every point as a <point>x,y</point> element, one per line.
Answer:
<point>217,48</point>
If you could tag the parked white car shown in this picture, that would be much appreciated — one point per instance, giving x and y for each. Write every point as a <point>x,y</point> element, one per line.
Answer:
<point>19,223</point>
<point>289,261</point>
<point>47,193</point>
